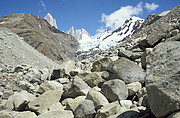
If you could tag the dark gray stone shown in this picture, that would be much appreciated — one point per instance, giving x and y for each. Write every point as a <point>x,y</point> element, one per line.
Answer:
<point>155,37</point>
<point>174,32</point>
<point>115,90</point>
<point>129,54</point>
<point>129,114</point>
<point>85,110</point>
<point>93,79</point>
<point>76,88</point>
<point>163,75</point>
<point>100,65</point>
<point>57,73</point>
<point>126,70</point>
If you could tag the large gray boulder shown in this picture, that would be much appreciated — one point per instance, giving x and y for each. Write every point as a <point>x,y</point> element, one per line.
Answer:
<point>50,85</point>
<point>108,110</point>
<point>115,90</point>
<point>55,106</point>
<point>155,37</point>
<point>19,101</point>
<point>15,114</point>
<point>163,79</point>
<point>129,54</point>
<point>126,103</point>
<point>76,87</point>
<point>43,102</point>
<point>57,114</point>
<point>85,110</point>
<point>126,70</point>
<point>160,32</point>
<point>97,97</point>
<point>72,104</point>
<point>93,79</point>
<point>133,88</point>
<point>100,65</point>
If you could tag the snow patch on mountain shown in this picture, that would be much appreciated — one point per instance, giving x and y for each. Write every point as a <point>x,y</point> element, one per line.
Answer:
<point>51,20</point>
<point>118,35</point>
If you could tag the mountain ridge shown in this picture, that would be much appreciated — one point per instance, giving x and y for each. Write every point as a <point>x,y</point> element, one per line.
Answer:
<point>44,37</point>
<point>110,38</point>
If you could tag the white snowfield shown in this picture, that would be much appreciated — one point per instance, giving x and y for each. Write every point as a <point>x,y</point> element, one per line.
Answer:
<point>108,38</point>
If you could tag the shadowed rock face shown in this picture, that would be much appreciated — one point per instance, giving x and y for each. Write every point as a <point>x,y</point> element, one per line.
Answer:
<point>163,78</point>
<point>38,33</point>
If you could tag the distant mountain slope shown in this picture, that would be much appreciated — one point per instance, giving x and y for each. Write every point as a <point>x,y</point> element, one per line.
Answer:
<point>38,33</point>
<point>127,29</point>
<point>111,38</point>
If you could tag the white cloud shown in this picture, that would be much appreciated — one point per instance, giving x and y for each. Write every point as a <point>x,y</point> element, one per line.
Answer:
<point>117,18</point>
<point>99,31</point>
<point>151,7</point>
<point>43,5</point>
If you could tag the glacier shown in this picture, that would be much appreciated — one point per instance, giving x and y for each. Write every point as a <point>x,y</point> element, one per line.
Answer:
<point>108,38</point>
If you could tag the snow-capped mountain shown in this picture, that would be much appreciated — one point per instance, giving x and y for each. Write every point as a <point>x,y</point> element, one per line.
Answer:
<point>51,20</point>
<point>80,34</point>
<point>127,29</point>
<point>83,37</point>
<point>111,38</point>
<point>104,35</point>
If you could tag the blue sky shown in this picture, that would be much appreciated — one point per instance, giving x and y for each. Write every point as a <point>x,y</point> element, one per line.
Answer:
<point>92,15</point>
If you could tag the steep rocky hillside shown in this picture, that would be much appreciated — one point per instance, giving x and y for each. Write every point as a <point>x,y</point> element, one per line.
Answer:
<point>158,29</point>
<point>14,51</point>
<point>38,33</point>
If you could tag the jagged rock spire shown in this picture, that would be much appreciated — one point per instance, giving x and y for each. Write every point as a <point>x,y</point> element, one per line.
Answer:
<point>51,20</point>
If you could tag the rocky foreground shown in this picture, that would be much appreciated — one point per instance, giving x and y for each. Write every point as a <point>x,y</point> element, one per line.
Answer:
<point>138,79</point>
